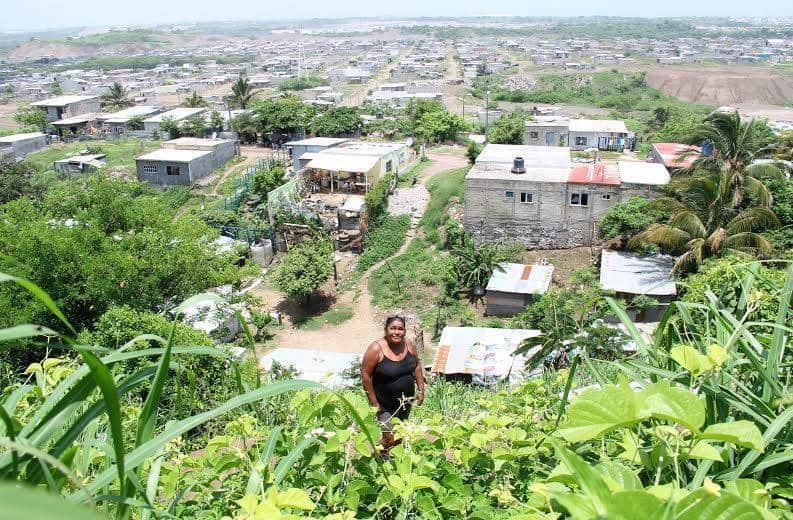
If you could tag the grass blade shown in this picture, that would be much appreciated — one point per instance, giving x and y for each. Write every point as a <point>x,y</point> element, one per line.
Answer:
<point>779,339</point>
<point>286,463</point>
<point>256,478</point>
<point>41,296</point>
<point>26,330</point>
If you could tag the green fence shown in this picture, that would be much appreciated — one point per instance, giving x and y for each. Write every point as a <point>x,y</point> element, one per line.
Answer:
<point>242,186</point>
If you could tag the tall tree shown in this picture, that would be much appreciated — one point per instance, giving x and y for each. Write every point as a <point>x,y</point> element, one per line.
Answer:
<point>284,115</point>
<point>195,101</point>
<point>241,93</point>
<point>116,98</point>
<point>337,121</point>
<point>702,226</point>
<point>736,143</point>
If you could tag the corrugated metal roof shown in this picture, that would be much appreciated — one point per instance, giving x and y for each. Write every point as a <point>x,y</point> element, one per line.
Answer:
<point>314,365</point>
<point>61,101</point>
<point>481,351</point>
<point>343,162</point>
<point>594,174</point>
<point>670,154</point>
<point>521,278</point>
<point>634,172</point>
<point>633,274</point>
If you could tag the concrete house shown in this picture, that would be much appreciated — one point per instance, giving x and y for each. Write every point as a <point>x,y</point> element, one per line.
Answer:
<point>117,123</point>
<point>630,275</point>
<point>310,146</point>
<point>513,286</point>
<point>534,196</point>
<point>153,123</point>
<point>183,161</point>
<point>20,145</point>
<point>63,107</point>
<point>578,134</point>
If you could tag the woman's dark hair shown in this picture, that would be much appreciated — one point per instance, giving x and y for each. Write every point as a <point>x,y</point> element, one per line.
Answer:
<point>392,319</point>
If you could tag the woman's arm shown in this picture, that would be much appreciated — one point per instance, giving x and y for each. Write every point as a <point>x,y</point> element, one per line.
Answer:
<point>370,360</point>
<point>418,374</point>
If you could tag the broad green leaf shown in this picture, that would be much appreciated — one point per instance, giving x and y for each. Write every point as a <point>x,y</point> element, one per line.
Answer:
<point>20,502</point>
<point>705,451</point>
<point>674,404</point>
<point>589,481</point>
<point>635,505</point>
<point>702,505</point>
<point>578,506</point>
<point>691,359</point>
<point>618,476</point>
<point>740,433</point>
<point>599,411</point>
<point>25,331</point>
<point>748,489</point>
<point>294,498</point>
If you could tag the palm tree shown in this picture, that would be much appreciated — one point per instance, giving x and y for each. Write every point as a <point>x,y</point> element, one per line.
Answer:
<point>475,265</point>
<point>736,144</point>
<point>195,101</point>
<point>701,226</point>
<point>241,93</point>
<point>116,98</point>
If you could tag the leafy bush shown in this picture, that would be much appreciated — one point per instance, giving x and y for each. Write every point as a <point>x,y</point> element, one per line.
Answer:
<point>305,268</point>
<point>377,197</point>
<point>443,187</point>
<point>509,128</point>
<point>630,217</point>
<point>473,151</point>
<point>302,83</point>
<point>266,180</point>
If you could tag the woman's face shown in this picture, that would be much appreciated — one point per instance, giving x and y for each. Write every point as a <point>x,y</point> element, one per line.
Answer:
<point>395,332</point>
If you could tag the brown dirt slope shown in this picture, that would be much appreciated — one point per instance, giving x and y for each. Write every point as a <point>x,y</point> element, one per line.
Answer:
<point>722,86</point>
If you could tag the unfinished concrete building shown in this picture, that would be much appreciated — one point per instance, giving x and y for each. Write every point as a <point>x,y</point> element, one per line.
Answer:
<point>533,195</point>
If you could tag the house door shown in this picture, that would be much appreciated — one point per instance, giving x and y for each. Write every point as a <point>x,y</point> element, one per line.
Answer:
<point>550,138</point>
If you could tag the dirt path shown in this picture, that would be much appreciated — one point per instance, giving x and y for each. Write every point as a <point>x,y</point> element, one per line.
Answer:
<point>251,154</point>
<point>355,334</point>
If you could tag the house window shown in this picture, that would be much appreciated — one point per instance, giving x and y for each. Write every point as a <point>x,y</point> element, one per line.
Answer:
<point>534,135</point>
<point>579,199</point>
<point>149,168</point>
<point>606,196</point>
<point>526,198</point>
<point>388,166</point>
<point>509,194</point>
<point>172,170</point>
<point>580,141</point>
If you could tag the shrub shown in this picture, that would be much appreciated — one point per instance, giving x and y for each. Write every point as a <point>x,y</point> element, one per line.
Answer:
<point>377,197</point>
<point>304,269</point>
<point>630,217</point>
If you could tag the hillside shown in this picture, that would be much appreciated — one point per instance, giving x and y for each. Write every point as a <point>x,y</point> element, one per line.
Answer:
<point>722,86</point>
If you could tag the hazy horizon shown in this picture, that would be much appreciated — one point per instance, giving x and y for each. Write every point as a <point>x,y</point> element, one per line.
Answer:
<point>41,15</point>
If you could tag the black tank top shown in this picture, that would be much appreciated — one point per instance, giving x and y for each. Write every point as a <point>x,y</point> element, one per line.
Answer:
<point>393,380</point>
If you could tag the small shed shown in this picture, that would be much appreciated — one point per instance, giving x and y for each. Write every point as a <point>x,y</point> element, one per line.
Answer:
<point>350,212</point>
<point>482,355</point>
<point>19,145</point>
<point>168,167</point>
<point>630,275</point>
<point>83,163</point>
<point>512,286</point>
<point>314,365</point>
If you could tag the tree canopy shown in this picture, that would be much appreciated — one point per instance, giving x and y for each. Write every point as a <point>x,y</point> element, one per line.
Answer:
<point>283,115</point>
<point>509,128</point>
<point>337,121</point>
<point>304,269</point>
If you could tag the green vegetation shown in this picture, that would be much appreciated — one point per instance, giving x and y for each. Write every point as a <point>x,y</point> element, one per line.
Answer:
<point>242,93</point>
<point>335,316</point>
<point>282,116</point>
<point>377,197</point>
<point>383,241</point>
<point>31,117</point>
<point>148,62</point>
<point>17,179</point>
<point>509,128</point>
<point>629,218</point>
<point>195,100</point>
<point>116,98</point>
<point>116,37</point>
<point>302,83</point>
<point>443,188</point>
<point>337,121</point>
<point>120,155</point>
<point>305,268</point>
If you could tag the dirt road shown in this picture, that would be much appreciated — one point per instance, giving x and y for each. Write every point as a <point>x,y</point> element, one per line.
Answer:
<point>355,334</point>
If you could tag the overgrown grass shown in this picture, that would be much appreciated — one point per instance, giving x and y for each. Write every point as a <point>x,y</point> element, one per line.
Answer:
<point>120,154</point>
<point>335,316</point>
<point>116,37</point>
<point>442,187</point>
<point>383,241</point>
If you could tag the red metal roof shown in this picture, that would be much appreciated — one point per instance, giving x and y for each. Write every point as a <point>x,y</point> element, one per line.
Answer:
<point>593,174</point>
<point>670,153</point>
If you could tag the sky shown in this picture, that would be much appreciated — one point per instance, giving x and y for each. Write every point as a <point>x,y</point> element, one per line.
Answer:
<point>51,14</point>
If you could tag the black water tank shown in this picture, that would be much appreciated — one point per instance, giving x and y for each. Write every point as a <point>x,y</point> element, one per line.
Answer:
<point>518,166</point>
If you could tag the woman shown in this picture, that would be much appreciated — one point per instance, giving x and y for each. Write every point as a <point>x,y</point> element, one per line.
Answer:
<point>390,373</point>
